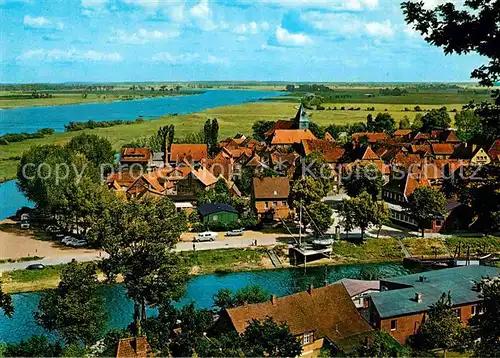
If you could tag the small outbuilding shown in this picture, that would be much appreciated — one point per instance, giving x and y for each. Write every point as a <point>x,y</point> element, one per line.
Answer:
<point>218,214</point>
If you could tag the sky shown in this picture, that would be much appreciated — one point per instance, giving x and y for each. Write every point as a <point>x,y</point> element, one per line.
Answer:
<point>208,40</point>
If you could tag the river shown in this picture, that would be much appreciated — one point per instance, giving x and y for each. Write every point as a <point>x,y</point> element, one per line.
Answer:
<point>32,119</point>
<point>199,290</point>
<point>11,199</point>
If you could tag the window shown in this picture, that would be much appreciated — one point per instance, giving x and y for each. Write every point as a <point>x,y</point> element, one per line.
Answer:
<point>215,218</point>
<point>394,325</point>
<point>307,338</point>
<point>275,204</point>
<point>266,205</point>
<point>438,223</point>
<point>283,203</point>
<point>473,310</point>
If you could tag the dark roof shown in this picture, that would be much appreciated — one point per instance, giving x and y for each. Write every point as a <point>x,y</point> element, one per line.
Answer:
<point>207,209</point>
<point>328,311</point>
<point>459,281</point>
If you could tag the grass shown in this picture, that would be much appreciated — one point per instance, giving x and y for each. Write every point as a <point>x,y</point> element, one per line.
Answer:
<point>488,244</point>
<point>22,259</point>
<point>371,250</point>
<point>224,260</point>
<point>31,280</point>
<point>425,247</point>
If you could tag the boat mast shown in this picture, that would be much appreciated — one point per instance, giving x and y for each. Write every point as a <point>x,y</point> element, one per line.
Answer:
<point>300,223</point>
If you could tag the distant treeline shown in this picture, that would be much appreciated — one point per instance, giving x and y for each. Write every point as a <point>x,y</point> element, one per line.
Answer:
<point>80,126</point>
<point>19,137</point>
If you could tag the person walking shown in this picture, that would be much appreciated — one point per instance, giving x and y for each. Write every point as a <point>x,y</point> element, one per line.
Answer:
<point>194,246</point>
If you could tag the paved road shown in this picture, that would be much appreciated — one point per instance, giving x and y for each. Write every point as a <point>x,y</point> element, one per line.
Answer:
<point>235,242</point>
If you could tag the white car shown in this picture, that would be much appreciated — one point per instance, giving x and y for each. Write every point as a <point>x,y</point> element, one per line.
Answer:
<point>205,236</point>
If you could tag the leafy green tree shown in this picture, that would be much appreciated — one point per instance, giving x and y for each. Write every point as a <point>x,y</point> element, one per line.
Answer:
<point>270,339</point>
<point>98,150</point>
<point>6,303</point>
<point>370,126</point>
<point>381,216</point>
<point>436,119</point>
<point>244,180</point>
<point>314,166</point>
<point>383,123</point>
<point>319,216</point>
<point>441,328</point>
<point>35,346</point>
<point>225,298</point>
<point>74,309</point>
<point>365,210</point>
<point>426,204</point>
<point>417,122</point>
<point>475,23</point>
<point>139,237</point>
<point>486,326</point>
<point>306,190</point>
<point>363,178</point>
<point>468,125</point>
<point>404,123</point>
<point>317,130</point>
<point>347,212</point>
<point>211,135</point>
<point>259,129</point>
<point>111,339</point>
<point>382,344</point>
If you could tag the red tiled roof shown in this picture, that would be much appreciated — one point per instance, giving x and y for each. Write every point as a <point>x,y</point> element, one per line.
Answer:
<point>327,311</point>
<point>330,152</point>
<point>126,178</point>
<point>371,137</point>
<point>329,137</point>
<point>291,136</point>
<point>191,152</point>
<point>267,188</point>
<point>280,124</point>
<point>414,181</point>
<point>133,347</point>
<point>442,148</point>
<point>135,155</point>
<point>204,176</point>
<point>494,151</point>
<point>401,132</point>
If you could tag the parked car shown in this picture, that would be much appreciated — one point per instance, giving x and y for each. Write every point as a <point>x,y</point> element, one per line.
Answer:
<point>205,236</point>
<point>68,239</point>
<point>78,243</point>
<point>25,221</point>
<point>35,267</point>
<point>235,232</point>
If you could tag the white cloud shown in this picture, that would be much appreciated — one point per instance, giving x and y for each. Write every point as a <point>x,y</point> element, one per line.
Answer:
<point>336,23</point>
<point>380,29</point>
<point>57,55</point>
<point>338,5</point>
<point>141,37</point>
<point>202,15</point>
<point>42,23</point>
<point>93,7</point>
<point>216,60</point>
<point>175,59</point>
<point>410,31</point>
<point>286,38</point>
<point>251,28</point>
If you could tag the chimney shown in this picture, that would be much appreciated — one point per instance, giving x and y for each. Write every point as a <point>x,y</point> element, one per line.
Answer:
<point>418,297</point>
<point>273,299</point>
<point>310,288</point>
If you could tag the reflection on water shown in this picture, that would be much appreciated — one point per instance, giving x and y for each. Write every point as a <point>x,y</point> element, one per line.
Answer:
<point>199,290</point>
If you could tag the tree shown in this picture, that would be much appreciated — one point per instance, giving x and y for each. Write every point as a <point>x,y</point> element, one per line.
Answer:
<point>370,126</point>
<point>317,130</point>
<point>426,204</point>
<point>244,180</point>
<point>35,346</point>
<point>478,28</point>
<point>6,303</point>
<point>319,216</point>
<point>306,190</point>
<point>74,309</point>
<point>436,119</point>
<point>211,135</point>
<point>487,325</point>
<point>270,339</point>
<point>363,178</point>
<point>417,122</point>
<point>224,298</point>
<point>441,328</point>
<point>381,216</point>
<point>259,129</point>
<point>96,149</point>
<point>383,123</point>
<point>468,125</point>
<point>315,166</point>
<point>404,123</point>
<point>382,344</point>
<point>139,237</point>
<point>359,212</point>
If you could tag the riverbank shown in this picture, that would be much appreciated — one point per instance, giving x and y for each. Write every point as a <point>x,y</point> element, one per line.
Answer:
<point>371,251</point>
<point>66,98</point>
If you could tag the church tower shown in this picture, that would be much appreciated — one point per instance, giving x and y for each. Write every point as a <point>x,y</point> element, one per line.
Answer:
<point>301,119</point>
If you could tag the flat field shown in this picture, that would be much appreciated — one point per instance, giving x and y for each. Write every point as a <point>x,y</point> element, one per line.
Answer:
<point>232,120</point>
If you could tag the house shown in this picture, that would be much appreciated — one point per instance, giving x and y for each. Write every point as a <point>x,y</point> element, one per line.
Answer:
<point>270,196</point>
<point>146,185</point>
<point>222,214</point>
<point>445,136</point>
<point>300,121</point>
<point>472,152</point>
<point>403,302</point>
<point>442,150</point>
<point>494,151</point>
<point>369,138</point>
<point>332,153</point>
<point>192,153</point>
<point>136,156</point>
<point>290,136</point>
<point>137,347</point>
<point>401,134</point>
<point>359,290</point>
<point>318,317</point>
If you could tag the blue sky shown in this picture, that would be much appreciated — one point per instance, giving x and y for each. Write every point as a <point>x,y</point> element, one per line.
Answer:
<point>178,40</point>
